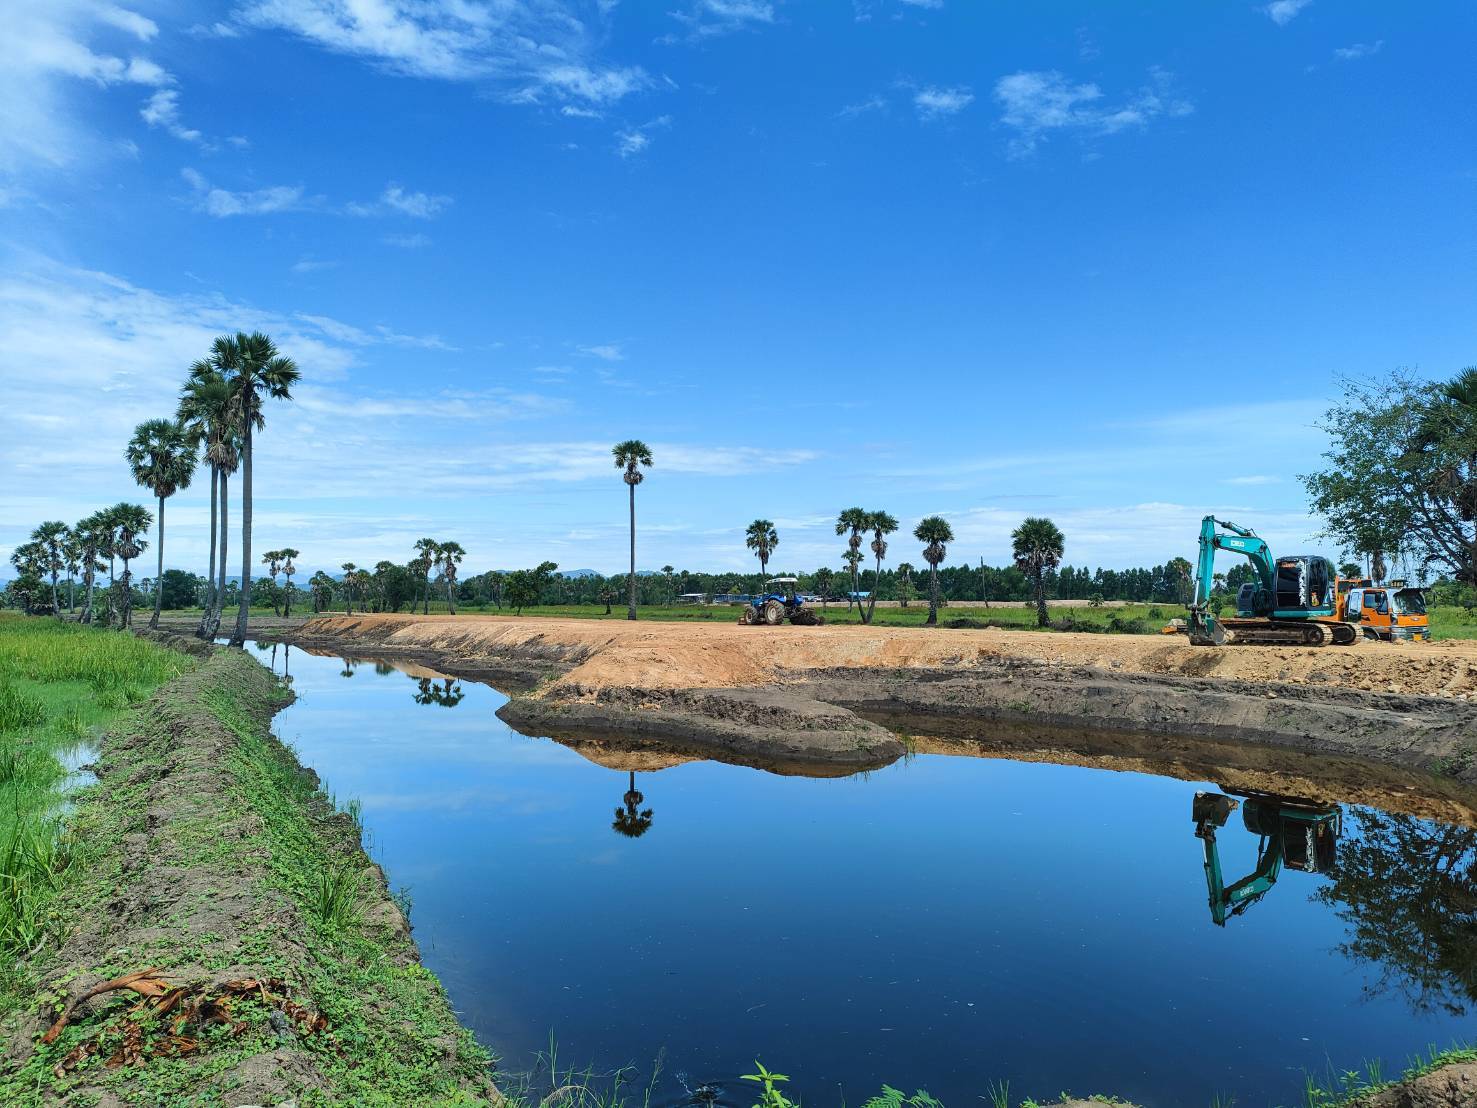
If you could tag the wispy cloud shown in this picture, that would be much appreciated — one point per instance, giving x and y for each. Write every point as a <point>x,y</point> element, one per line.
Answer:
<point>162,110</point>
<point>397,200</point>
<point>862,107</point>
<point>535,51</point>
<point>1035,104</point>
<point>223,203</point>
<point>1283,12</point>
<point>634,140</point>
<point>408,242</point>
<point>608,351</point>
<point>709,18</point>
<point>312,265</point>
<point>935,103</point>
<point>50,62</point>
<point>1358,50</point>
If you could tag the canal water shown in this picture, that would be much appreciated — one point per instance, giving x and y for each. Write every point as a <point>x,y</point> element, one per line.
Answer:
<point>945,923</point>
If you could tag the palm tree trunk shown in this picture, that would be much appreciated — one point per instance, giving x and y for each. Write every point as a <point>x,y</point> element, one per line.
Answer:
<point>631,581</point>
<point>1040,599</point>
<point>210,573</point>
<point>933,594</point>
<point>56,602</point>
<point>87,599</point>
<point>213,626</point>
<point>450,599</point>
<point>244,613</point>
<point>127,614</point>
<point>872,600</point>
<point>159,573</point>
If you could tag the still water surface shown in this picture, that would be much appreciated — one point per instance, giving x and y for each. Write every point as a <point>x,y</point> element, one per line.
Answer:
<point>943,923</point>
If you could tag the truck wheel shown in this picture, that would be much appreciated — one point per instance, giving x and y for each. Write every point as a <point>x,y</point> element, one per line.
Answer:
<point>774,613</point>
<point>746,617</point>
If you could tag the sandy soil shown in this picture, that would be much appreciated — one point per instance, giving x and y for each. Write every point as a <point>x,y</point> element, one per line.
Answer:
<point>608,653</point>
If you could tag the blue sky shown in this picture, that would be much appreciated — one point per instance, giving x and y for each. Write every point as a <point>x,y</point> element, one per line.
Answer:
<point>1099,262</point>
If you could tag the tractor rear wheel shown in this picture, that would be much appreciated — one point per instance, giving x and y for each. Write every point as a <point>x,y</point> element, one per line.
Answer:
<point>748,617</point>
<point>774,613</point>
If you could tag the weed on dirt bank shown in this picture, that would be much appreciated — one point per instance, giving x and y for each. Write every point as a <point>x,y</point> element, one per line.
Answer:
<point>267,961</point>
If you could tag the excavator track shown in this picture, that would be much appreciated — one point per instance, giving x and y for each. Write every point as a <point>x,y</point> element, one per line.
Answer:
<point>1288,632</point>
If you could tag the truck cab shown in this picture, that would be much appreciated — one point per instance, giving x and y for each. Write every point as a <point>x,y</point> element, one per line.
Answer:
<point>1393,611</point>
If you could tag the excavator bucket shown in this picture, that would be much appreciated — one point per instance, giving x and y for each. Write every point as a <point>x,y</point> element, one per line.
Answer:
<point>1212,810</point>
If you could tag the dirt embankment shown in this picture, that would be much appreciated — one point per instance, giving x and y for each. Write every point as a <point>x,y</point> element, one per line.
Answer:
<point>739,692</point>
<point>207,855</point>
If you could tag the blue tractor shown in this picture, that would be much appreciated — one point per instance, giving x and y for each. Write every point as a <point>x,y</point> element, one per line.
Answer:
<point>778,602</point>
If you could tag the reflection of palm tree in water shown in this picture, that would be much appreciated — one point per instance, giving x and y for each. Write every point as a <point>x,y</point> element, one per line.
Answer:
<point>630,820</point>
<point>447,695</point>
<point>348,670</point>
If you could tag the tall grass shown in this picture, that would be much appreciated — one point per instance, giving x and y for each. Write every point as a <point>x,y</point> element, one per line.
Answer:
<point>59,683</point>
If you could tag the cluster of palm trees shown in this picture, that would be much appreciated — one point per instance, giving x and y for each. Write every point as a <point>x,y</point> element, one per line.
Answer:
<point>113,534</point>
<point>221,407</point>
<point>431,556</point>
<point>1037,545</point>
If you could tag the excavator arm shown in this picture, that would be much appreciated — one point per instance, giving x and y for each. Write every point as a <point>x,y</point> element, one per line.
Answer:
<point>1204,628</point>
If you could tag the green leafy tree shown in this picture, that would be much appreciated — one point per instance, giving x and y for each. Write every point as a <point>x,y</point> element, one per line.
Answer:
<point>904,583</point>
<point>822,580</point>
<point>761,537</point>
<point>1037,546</point>
<point>881,524</point>
<point>162,457</point>
<point>630,456</point>
<point>1402,473</point>
<point>320,588</point>
<point>934,532</point>
<point>1182,573</point>
<point>256,372</point>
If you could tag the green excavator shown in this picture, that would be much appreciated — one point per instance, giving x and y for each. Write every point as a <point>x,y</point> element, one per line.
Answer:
<point>1293,600</point>
<point>1293,832</point>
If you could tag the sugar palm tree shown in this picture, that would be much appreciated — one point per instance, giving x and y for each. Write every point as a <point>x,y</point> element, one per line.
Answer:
<point>667,572</point>
<point>289,567</point>
<point>881,524</point>
<point>853,523</point>
<point>1037,546</point>
<point>630,456</point>
<point>207,414</point>
<point>451,554</point>
<point>162,457</point>
<point>761,537</point>
<point>256,372</point>
<point>89,533</point>
<point>821,580</point>
<point>51,540</point>
<point>631,820</point>
<point>349,568</point>
<point>272,559</point>
<point>933,532</point>
<point>72,556</point>
<point>321,586</point>
<point>853,558</point>
<point>429,553</point>
<point>129,523</point>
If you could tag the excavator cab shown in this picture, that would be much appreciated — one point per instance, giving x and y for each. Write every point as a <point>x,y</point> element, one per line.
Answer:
<point>1292,832</point>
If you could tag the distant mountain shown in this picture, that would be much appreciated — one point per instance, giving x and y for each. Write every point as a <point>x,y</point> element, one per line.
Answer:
<point>572,573</point>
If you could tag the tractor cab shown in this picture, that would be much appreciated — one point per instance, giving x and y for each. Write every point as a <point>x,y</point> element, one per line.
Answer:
<point>1292,832</point>
<point>777,603</point>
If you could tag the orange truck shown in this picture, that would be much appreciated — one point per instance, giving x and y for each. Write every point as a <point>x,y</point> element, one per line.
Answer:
<point>1391,611</point>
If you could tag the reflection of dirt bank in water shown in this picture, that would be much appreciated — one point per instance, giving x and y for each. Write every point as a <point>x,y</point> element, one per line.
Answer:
<point>803,697</point>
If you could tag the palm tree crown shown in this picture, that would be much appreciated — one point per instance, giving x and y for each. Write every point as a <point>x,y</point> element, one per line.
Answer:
<point>1038,545</point>
<point>934,532</point>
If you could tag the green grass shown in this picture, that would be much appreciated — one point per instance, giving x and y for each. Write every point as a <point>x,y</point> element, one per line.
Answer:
<point>59,684</point>
<point>1451,622</point>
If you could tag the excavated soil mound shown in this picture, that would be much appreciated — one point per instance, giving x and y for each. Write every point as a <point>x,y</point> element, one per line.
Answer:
<point>677,655</point>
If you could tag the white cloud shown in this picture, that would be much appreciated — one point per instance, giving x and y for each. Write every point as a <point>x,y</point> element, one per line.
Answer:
<point>162,110</point>
<point>50,63</point>
<point>1252,479</point>
<point>1034,104</point>
<point>609,351</point>
<point>862,107</point>
<point>634,140</point>
<point>933,5</point>
<point>418,205</point>
<point>1358,50</point>
<point>536,50</point>
<point>222,203</point>
<point>312,265</point>
<point>709,18</point>
<point>935,103</point>
<point>1283,12</point>
<point>408,242</point>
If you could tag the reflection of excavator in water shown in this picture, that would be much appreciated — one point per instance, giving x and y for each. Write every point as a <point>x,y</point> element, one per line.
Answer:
<point>1296,833</point>
<point>1293,600</point>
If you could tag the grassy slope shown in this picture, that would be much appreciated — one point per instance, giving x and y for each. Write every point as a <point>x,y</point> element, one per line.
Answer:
<point>244,825</point>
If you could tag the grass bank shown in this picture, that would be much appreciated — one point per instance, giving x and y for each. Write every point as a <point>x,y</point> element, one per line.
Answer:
<point>283,968</point>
